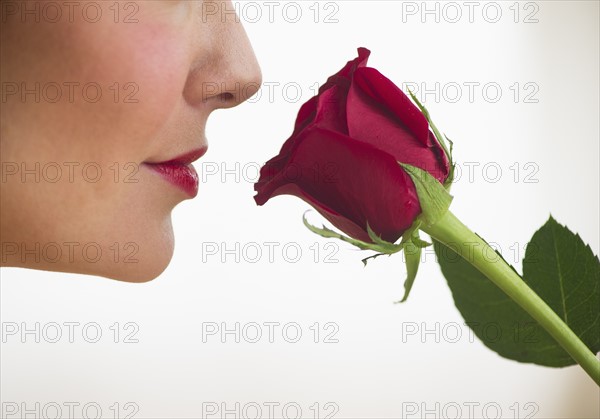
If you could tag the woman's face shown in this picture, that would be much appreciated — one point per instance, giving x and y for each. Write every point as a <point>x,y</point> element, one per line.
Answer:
<point>95,96</point>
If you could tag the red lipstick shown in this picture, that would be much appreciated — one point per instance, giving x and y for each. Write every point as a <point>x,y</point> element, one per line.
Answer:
<point>180,172</point>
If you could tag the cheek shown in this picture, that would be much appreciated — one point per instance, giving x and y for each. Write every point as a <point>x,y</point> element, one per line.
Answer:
<point>142,71</point>
<point>119,84</point>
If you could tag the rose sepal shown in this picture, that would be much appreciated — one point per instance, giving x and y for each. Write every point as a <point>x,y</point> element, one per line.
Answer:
<point>378,245</point>
<point>435,201</point>
<point>434,198</point>
<point>412,258</point>
<point>442,139</point>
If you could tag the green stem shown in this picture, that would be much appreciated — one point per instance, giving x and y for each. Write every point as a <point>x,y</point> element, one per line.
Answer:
<point>450,231</point>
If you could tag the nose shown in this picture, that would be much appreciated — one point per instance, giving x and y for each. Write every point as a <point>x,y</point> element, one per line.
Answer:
<point>224,70</point>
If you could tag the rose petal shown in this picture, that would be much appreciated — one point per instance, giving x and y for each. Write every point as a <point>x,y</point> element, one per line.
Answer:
<point>372,120</point>
<point>340,175</point>
<point>338,220</point>
<point>329,113</point>
<point>327,108</point>
<point>344,76</point>
<point>384,92</point>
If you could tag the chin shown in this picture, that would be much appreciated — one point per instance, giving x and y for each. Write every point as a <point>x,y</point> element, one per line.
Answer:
<point>129,240</point>
<point>134,263</point>
<point>145,265</point>
<point>139,272</point>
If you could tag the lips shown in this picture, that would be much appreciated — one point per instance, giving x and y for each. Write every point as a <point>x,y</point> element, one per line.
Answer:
<point>180,172</point>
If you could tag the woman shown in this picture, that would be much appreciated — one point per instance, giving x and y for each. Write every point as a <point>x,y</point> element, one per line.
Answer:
<point>104,106</point>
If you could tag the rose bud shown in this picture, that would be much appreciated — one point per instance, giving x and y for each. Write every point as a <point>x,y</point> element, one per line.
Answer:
<point>343,156</point>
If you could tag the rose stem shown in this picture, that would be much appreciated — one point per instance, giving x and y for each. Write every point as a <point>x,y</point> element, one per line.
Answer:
<point>450,231</point>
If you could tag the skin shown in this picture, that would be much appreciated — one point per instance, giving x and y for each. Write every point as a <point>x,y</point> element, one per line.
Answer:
<point>183,60</point>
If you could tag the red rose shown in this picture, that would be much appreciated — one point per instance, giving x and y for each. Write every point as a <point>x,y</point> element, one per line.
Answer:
<point>343,155</point>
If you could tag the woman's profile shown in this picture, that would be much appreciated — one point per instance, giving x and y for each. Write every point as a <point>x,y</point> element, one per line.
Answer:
<point>103,110</point>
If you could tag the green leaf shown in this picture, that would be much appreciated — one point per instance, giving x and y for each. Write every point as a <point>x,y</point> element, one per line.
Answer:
<point>433,197</point>
<point>560,268</point>
<point>564,272</point>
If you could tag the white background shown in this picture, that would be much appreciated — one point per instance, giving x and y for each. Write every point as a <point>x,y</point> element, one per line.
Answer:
<point>375,369</point>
